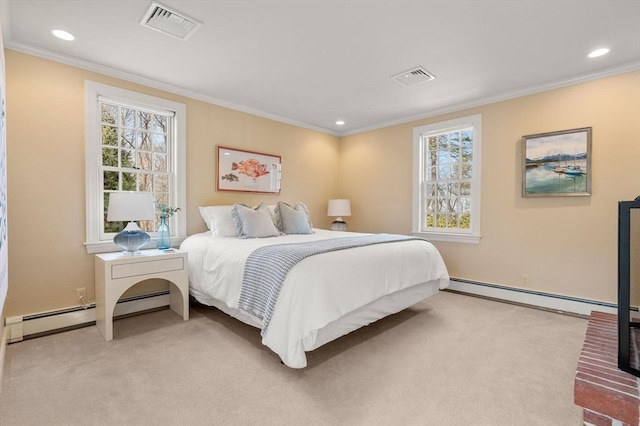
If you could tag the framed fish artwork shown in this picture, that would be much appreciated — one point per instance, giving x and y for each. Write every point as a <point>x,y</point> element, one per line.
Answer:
<point>248,171</point>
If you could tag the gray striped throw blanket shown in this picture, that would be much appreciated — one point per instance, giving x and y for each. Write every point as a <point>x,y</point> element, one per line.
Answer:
<point>267,268</point>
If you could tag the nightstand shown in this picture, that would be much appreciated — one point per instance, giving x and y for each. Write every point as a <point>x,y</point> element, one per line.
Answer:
<point>115,273</point>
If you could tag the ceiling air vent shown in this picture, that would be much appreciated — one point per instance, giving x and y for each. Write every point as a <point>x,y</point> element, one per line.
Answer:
<point>414,76</point>
<point>169,21</point>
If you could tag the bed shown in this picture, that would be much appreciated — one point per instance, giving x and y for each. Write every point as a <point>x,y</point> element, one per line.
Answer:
<point>324,296</point>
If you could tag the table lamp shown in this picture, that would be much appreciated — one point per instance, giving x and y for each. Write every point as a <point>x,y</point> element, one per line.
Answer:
<point>131,206</point>
<point>339,208</point>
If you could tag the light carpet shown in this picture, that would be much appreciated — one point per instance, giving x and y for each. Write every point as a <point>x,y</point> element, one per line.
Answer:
<point>449,360</point>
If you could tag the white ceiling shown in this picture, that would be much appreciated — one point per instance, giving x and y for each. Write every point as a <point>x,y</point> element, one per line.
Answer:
<point>312,62</point>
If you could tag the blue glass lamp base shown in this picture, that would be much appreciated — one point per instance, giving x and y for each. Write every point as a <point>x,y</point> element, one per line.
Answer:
<point>131,239</point>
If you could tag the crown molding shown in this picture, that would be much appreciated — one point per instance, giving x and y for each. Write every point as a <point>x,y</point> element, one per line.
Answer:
<point>609,72</point>
<point>134,78</point>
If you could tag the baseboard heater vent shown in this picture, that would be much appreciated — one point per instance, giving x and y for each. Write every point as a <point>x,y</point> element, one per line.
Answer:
<point>43,323</point>
<point>535,299</point>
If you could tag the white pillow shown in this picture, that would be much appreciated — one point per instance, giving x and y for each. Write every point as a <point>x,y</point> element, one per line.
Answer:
<point>293,220</point>
<point>253,222</point>
<point>219,221</point>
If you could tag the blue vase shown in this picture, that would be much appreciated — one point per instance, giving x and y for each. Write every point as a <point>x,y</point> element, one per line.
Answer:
<point>163,234</point>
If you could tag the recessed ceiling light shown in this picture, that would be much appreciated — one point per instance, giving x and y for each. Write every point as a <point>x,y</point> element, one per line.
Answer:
<point>598,52</point>
<point>340,123</point>
<point>61,34</point>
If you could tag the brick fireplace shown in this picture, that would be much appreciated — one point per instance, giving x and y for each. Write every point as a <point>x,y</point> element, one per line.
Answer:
<point>608,395</point>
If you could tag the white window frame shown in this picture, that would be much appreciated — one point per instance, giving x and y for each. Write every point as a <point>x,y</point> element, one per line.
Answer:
<point>451,235</point>
<point>93,159</point>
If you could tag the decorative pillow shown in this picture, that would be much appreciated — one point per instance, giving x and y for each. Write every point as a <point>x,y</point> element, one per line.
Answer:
<point>293,220</point>
<point>219,221</point>
<point>253,222</point>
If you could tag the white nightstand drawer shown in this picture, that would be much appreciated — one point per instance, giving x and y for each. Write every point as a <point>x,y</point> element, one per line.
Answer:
<point>145,268</point>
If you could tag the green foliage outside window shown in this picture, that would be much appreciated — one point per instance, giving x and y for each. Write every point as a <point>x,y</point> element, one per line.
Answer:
<point>449,221</point>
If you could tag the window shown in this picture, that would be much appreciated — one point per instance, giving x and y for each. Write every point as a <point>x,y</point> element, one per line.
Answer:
<point>446,193</point>
<point>134,142</point>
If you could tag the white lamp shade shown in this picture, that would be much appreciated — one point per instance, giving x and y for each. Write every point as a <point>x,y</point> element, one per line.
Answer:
<point>130,206</point>
<point>339,207</point>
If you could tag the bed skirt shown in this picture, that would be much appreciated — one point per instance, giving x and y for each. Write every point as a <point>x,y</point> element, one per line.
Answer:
<point>380,308</point>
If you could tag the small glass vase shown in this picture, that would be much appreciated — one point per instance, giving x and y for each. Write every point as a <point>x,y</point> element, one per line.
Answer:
<point>163,234</point>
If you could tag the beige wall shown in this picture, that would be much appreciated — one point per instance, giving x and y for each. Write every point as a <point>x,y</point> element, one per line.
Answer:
<point>567,245</point>
<point>46,191</point>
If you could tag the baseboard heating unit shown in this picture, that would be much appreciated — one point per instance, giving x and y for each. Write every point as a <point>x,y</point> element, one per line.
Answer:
<point>30,326</point>
<point>535,299</point>
<point>34,325</point>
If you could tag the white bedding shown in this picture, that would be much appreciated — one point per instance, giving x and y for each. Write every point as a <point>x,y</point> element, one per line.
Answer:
<point>318,291</point>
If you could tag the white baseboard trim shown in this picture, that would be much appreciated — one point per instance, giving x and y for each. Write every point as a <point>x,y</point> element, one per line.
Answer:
<point>18,328</point>
<point>21,327</point>
<point>548,301</point>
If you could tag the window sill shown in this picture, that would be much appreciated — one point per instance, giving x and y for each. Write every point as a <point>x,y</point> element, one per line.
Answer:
<point>109,247</point>
<point>451,238</point>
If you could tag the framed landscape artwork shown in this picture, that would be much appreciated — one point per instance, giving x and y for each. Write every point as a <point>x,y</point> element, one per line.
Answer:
<point>557,164</point>
<point>248,171</point>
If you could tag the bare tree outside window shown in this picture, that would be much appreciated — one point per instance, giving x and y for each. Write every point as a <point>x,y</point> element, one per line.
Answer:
<point>135,156</point>
<point>448,179</point>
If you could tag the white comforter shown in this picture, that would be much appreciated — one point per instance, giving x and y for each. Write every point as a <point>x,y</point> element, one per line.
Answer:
<point>318,290</point>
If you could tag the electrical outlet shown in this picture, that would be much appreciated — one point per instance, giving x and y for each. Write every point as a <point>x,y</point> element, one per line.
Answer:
<point>81,295</point>
<point>525,280</point>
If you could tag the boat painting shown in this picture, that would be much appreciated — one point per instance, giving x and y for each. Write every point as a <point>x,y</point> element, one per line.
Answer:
<point>557,164</point>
